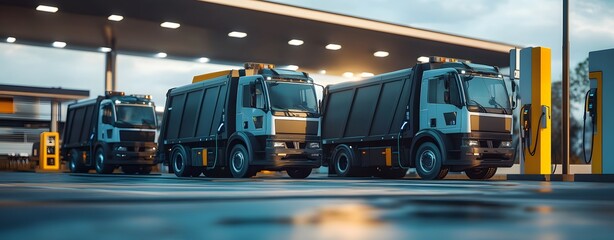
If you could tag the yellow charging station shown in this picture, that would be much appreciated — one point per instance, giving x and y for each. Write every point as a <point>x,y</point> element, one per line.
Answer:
<point>601,75</point>
<point>49,152</point>
<point>535,119</point>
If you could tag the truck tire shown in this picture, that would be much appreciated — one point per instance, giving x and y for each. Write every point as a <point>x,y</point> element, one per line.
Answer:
<point>481,173</point>
<point>343,162</point>
<point>101,166</point>
<point>429,161</point>
<point>130,169</point>
<point>239,162</point>
<point>179,162</point>
<point>76,164</point>
<point>298,173</point>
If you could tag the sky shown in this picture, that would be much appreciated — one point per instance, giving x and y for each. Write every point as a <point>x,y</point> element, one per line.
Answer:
<point>518,22</point>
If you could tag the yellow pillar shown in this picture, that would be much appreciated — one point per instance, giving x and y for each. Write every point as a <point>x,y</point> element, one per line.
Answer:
<point>49,152</point>
<point>541,85</point>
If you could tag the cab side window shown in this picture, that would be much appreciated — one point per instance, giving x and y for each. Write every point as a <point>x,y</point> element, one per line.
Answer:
<point>107,114</point>
<point>253,96</point>
<point>444,90</point>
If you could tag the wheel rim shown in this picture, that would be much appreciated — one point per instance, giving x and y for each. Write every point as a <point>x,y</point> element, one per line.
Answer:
<point>100,160</point>
<point>427,161</point>
<point>238,160</point>
<point>342,163</point>
<point>178,163</point>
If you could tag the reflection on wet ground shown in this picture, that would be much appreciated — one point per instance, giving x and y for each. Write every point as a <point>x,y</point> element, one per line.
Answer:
<point>61,206</point>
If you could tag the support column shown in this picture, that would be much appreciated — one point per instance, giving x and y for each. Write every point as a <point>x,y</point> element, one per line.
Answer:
<point>110,80</point>
<point>55,109</point>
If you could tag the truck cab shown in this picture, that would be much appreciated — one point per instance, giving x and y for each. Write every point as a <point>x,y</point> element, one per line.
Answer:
<point>111,131</point>
<point>470,105</point>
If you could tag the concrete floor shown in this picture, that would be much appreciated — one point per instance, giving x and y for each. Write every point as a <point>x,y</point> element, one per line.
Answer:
<point>90,206</point>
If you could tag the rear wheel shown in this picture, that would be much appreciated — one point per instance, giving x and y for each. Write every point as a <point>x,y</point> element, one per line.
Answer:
<point>239,162</point>
<point>343,162</point>
<point>481,173</point>
<point>298,173</point>
<point>101,166</point>
<point>179,161</point>
<point>429,162</point>
<point>76,163</point>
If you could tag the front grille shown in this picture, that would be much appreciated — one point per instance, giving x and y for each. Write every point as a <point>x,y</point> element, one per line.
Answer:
<point>296,127</point>
<point>136,136</point>
<point>490,143</point>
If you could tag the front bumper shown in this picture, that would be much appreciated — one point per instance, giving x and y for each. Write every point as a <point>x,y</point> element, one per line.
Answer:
<point>132,153</point>
<point>296,153</point>
<point>486,157</point>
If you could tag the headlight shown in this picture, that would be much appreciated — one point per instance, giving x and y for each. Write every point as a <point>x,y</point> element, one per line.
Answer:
<point>506,144</point>
<point>279,144</point>
<point>120,148</point>
<point>314,145</point>
<point>472,143</point>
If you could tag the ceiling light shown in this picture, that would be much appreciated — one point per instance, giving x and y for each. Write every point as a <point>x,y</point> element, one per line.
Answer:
<point>348,74</point>
<point>367,74</point>
<point>292,67</point>
<point>322,71</point>
<point>423,59</point>
<point>333,46</point>
<point>295,42</point>
<point>171,25</point>
<point>10,39</point>
<point>381,54</point>
<point>237,34</point>
<point>105,49</point>
<point>161,55</point>
<point>203,60</point>
<point>59,44</point>
<point>116,18</point>
<point>44,8</point>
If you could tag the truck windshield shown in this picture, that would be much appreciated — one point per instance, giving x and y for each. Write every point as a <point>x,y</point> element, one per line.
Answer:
<point>292,97</point>
<point>135,116</point>
<point>486,94</point>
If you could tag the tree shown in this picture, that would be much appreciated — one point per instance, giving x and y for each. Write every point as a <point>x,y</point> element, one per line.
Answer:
<point>578,85</point>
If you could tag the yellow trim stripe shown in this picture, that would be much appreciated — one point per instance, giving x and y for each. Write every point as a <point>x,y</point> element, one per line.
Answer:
<point>388,153</point>
<point>205,157</point>
<point>208,76</point>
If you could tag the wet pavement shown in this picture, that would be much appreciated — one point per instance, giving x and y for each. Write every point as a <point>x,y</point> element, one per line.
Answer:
<point>89,206</point>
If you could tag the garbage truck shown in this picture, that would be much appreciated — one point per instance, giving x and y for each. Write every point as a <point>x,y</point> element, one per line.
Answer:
<point>442,115</point>
<point>236,123</point>
<point>110,131</point>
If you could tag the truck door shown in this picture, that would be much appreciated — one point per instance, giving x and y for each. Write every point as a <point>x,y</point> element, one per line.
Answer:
<point>106,122</point>
<point>251,115</point>
<point>440,101</point>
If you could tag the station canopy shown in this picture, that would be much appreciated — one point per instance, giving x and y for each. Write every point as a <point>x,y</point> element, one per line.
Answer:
<point>205,26</point>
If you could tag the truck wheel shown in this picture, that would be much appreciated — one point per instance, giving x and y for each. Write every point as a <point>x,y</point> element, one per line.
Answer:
<point>179,161</point>
<point>298,173</point>
<point>343,162</point>
<point>101,166</point>
<point>428,162</point>
<point>130,169</point>
<point>392,173</point>
<point>481,173</point>
<point>76,163</point>
<point>144,170</point>
<point>239,161</point>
